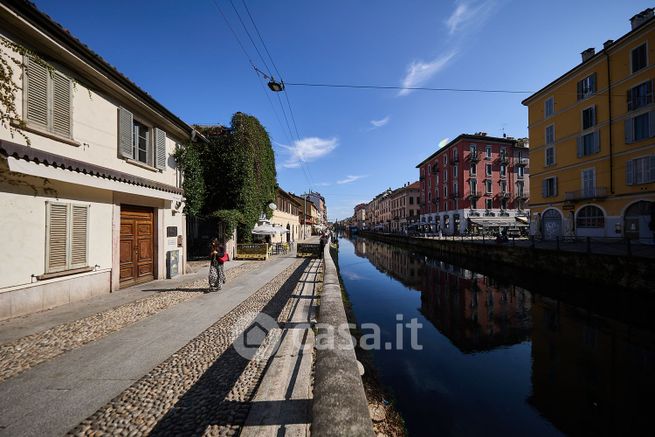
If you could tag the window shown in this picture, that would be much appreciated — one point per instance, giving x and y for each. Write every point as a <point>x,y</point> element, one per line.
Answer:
<point>488,203</point>
<point>588,118</point>
<point>487,169</point>
<point>550,155</point>
<point>454,155</point>
<point>474,169</point>
<point>589,182</point>
<point>66,236</point>
<point>588,144</point>
<point>549,107</point>
<point>454,172</point>
<point>550,134</point>
<point>47,101</point>
<point>503,170</point>
<point>587,86</point>
<point>503,186</point>
<point>474,185</point>
<point>590,216</point>
<point>488,152</point>
<point>639,58</point>
<point>487,186</point>
<point>445,160</point>
<point>549,188</point>
<point>411,200</point>
<point>473,149</point>
<point>138,142</point>
<point>520,171</point>
<point>455,188</point>
<point>640,170</point>
<point>445,191</point>
<point>640,95</point>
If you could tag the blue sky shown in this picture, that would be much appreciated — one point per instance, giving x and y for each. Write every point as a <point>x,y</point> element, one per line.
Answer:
<point>352,144</point>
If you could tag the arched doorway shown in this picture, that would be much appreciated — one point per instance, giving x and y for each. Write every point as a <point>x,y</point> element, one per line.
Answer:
<point>552,224</point>
<point>639,221</point>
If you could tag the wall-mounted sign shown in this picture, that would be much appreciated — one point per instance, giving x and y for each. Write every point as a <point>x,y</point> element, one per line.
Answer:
<point>171,231</point>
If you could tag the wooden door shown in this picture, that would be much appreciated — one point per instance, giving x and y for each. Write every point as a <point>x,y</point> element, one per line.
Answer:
<point>137,245</point>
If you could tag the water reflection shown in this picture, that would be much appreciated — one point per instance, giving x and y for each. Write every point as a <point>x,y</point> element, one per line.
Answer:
<point>589,373</point>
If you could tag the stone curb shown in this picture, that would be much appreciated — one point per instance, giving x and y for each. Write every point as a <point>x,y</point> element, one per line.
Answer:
<point>340,407</point>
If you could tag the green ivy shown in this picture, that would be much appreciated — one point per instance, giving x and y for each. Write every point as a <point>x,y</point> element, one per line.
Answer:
<point>238,174</point>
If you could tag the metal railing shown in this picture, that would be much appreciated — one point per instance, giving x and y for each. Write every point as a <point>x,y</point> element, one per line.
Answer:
<point>591,193</point>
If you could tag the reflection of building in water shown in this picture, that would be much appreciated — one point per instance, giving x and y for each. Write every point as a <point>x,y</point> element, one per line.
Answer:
<point>591,375</point>
<point>396,262</point>
<point>471,311</point>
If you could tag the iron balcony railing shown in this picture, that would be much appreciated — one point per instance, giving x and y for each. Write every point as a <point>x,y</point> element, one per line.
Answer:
<point>454,195</point>
<point>589,193</point>
<point>523,195</point>
<point>435,169</point>
<point>474,194</point>
<point>455,160</point>
<point>503,159</point>
<point>521,161</point>
<point>474,157</point>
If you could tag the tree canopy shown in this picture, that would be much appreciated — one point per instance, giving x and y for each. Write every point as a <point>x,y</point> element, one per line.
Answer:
<point>232,178</point>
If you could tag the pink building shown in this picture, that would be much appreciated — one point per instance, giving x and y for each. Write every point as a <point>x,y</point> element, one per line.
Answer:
<point>473,182</point>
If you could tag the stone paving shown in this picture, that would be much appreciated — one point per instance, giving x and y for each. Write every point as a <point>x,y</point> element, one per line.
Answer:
<point>203,388</point>
<point>26,352</point>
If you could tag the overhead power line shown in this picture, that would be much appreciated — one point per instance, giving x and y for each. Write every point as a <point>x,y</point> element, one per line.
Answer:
<point>408,88</point>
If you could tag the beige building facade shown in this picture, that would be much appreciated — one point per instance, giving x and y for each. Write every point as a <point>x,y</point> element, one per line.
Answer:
<point>287,215</point>
<point>93,200</point>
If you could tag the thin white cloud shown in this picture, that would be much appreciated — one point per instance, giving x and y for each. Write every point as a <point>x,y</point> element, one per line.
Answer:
<point>469,14</point>
<point>307,150</point>
<point>420,72</point>
<point>350,179</point>
<point>381,122</point>
<point>323,184</point>
<point>443,143</point>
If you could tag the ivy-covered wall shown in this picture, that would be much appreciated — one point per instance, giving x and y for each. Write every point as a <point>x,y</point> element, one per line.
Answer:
<point>233,177</point>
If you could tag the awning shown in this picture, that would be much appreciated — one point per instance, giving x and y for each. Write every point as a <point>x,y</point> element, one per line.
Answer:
<point>490,222</point>
<point>522,219</point>
<point>35,162</point>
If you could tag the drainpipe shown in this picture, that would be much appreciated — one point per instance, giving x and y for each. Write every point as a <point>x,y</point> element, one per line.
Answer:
<point>609,101</point>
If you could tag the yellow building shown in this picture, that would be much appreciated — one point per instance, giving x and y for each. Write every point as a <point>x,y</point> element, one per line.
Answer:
<point>592,137</point>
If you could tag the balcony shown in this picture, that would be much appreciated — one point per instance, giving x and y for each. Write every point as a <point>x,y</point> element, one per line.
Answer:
<point>592,193</point>
<point>474,194</point>
<point>435,200</point>
<point>455,160</point>
<point>521,162</point>
<point>504,194</point>
<point>435,169</point>
<point>422,177</point>
<point>454,195</point>
<point>525,195</point>
<point>503,159</point>
<point>474,157</point>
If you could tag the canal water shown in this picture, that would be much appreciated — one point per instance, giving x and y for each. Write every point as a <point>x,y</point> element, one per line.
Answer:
<point>499,359</point>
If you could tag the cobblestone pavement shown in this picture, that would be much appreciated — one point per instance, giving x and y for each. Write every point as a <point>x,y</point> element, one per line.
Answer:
<point>204,387</point>
<point>26,352</point>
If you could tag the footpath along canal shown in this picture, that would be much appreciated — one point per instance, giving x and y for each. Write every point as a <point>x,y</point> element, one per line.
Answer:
<point>496,358</point>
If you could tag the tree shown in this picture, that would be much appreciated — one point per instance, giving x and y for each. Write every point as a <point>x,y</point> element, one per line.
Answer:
<point>238,175</point>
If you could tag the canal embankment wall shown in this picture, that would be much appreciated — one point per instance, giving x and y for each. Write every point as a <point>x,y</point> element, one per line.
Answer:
<point>340,406</point>
<point>636,273</point>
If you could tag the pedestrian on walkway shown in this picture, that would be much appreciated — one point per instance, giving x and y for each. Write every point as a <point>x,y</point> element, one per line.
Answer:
<point>322,242</point>
<point>218,256</point>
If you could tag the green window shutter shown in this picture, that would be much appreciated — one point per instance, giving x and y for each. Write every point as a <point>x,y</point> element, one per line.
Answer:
<point>579,89</point>
<point>160,149</point>
<point>61,105</point>
<point>597,141</point>
<point>593,83</point>
<point>56,237</point>
<point>579,143</point>
<point>79,236</point>
<point>36,109</point>
<point>544,188</point>
<point>125,133</point>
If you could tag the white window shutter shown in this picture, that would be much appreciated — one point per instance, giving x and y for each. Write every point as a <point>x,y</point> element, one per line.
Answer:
<point>160,149</point>
<point>36,110</point>
<point>597,141</point>
<point>628,127</point>
<point>61,105</point>
<point>79,236</point>
<point>629,172</point>
<point>56,237</point>
<point>125,133</point>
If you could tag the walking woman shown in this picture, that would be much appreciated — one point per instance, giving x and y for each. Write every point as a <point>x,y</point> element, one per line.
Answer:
<point>218,256</point>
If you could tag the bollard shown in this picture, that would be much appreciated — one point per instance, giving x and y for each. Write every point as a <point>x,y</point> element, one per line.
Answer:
<point>588,244</point>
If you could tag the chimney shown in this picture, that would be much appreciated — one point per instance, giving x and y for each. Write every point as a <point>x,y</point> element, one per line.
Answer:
<point>588,54</point>
<point>641,18</point>
<point>608,43</point>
